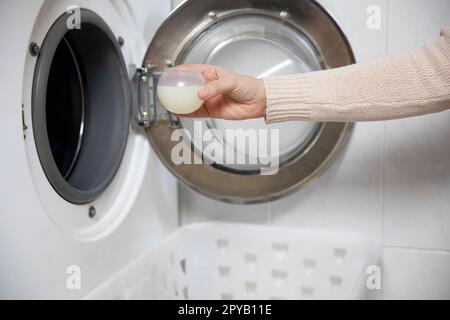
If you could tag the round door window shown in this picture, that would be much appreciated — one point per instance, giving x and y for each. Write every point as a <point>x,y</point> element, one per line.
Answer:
<point>262,40</point>
<point>260,46</point>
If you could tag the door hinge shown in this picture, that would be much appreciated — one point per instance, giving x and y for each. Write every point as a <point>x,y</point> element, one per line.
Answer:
<point>149,109</point>
<point>147,100</point>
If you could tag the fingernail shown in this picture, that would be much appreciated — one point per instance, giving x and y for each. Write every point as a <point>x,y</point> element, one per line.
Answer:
<point>203,93</point>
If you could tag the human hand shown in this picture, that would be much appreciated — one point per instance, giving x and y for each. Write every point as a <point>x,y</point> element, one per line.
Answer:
<point>228,95</point>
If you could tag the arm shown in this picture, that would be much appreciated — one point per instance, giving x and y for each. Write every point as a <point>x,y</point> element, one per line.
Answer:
<point>394,87</point>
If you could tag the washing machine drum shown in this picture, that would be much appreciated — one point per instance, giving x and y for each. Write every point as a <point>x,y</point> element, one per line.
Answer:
<point>258,38</point>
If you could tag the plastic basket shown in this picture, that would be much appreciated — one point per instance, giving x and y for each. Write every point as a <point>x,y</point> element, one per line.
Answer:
<point>236,261</point>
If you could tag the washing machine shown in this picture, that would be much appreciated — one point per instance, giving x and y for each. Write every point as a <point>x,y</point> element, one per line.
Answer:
<point>51,225</point>
<point>88,182</point>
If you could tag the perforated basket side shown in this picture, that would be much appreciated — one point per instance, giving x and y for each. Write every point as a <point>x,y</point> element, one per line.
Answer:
<point>234,261</point>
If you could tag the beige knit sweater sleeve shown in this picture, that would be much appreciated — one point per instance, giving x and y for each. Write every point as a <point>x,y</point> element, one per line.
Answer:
<point>394,87</point>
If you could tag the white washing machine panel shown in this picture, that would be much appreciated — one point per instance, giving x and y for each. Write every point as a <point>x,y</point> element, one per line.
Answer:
<point>44,239</point>
<point>115,203</point>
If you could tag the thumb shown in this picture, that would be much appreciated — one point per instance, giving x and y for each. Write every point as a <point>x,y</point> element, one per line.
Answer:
<point>214,88</point>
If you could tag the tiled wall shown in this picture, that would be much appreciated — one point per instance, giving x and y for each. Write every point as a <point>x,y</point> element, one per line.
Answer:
<point>393,180</point>
<point>417,174</point>
<point>320,204</point>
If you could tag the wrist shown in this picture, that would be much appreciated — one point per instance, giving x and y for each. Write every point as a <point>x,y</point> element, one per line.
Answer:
<point>262,99</point>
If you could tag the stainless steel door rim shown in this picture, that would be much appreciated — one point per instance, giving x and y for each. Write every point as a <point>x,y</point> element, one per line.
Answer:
<point>177,37</point>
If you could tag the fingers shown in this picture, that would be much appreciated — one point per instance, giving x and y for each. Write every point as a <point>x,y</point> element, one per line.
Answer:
<point>218,80</point>
<point>214,88</point>
<point>202,67</point>
<point>202,112</point>
<point>210,75</point>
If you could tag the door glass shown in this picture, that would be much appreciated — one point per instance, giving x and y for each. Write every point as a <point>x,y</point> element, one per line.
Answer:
<point>260,46</point>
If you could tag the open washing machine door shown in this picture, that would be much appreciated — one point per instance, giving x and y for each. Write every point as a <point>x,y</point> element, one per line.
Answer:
<point>258,38</point>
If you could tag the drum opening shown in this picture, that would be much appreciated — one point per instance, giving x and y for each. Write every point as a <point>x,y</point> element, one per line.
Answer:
<point>80,107</point>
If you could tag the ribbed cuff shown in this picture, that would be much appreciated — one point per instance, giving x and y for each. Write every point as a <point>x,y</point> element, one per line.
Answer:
<point>285,99</point>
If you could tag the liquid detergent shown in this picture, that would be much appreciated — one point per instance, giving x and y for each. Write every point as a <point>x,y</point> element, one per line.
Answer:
<point>178,90</point>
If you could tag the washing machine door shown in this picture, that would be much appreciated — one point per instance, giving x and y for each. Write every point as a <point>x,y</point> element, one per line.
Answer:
<point>258,38</point>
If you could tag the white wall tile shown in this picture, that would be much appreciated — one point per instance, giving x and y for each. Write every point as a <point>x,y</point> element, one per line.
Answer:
<point>348,195</point>
<point>352,16</point>
<point>412,23</point>
<point>417,191</point>
<point>415,274</point>
<point>194,207</point>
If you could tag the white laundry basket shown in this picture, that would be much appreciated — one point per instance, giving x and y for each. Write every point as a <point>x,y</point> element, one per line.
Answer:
<point>238,261</point>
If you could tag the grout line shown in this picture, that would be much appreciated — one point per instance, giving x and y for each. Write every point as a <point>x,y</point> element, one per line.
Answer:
<point>418,250</point>
<point>179,213</point>
<point>383,142</point>
<point>383,182</point>
<point>386,31</point>
<point>384,153</point>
